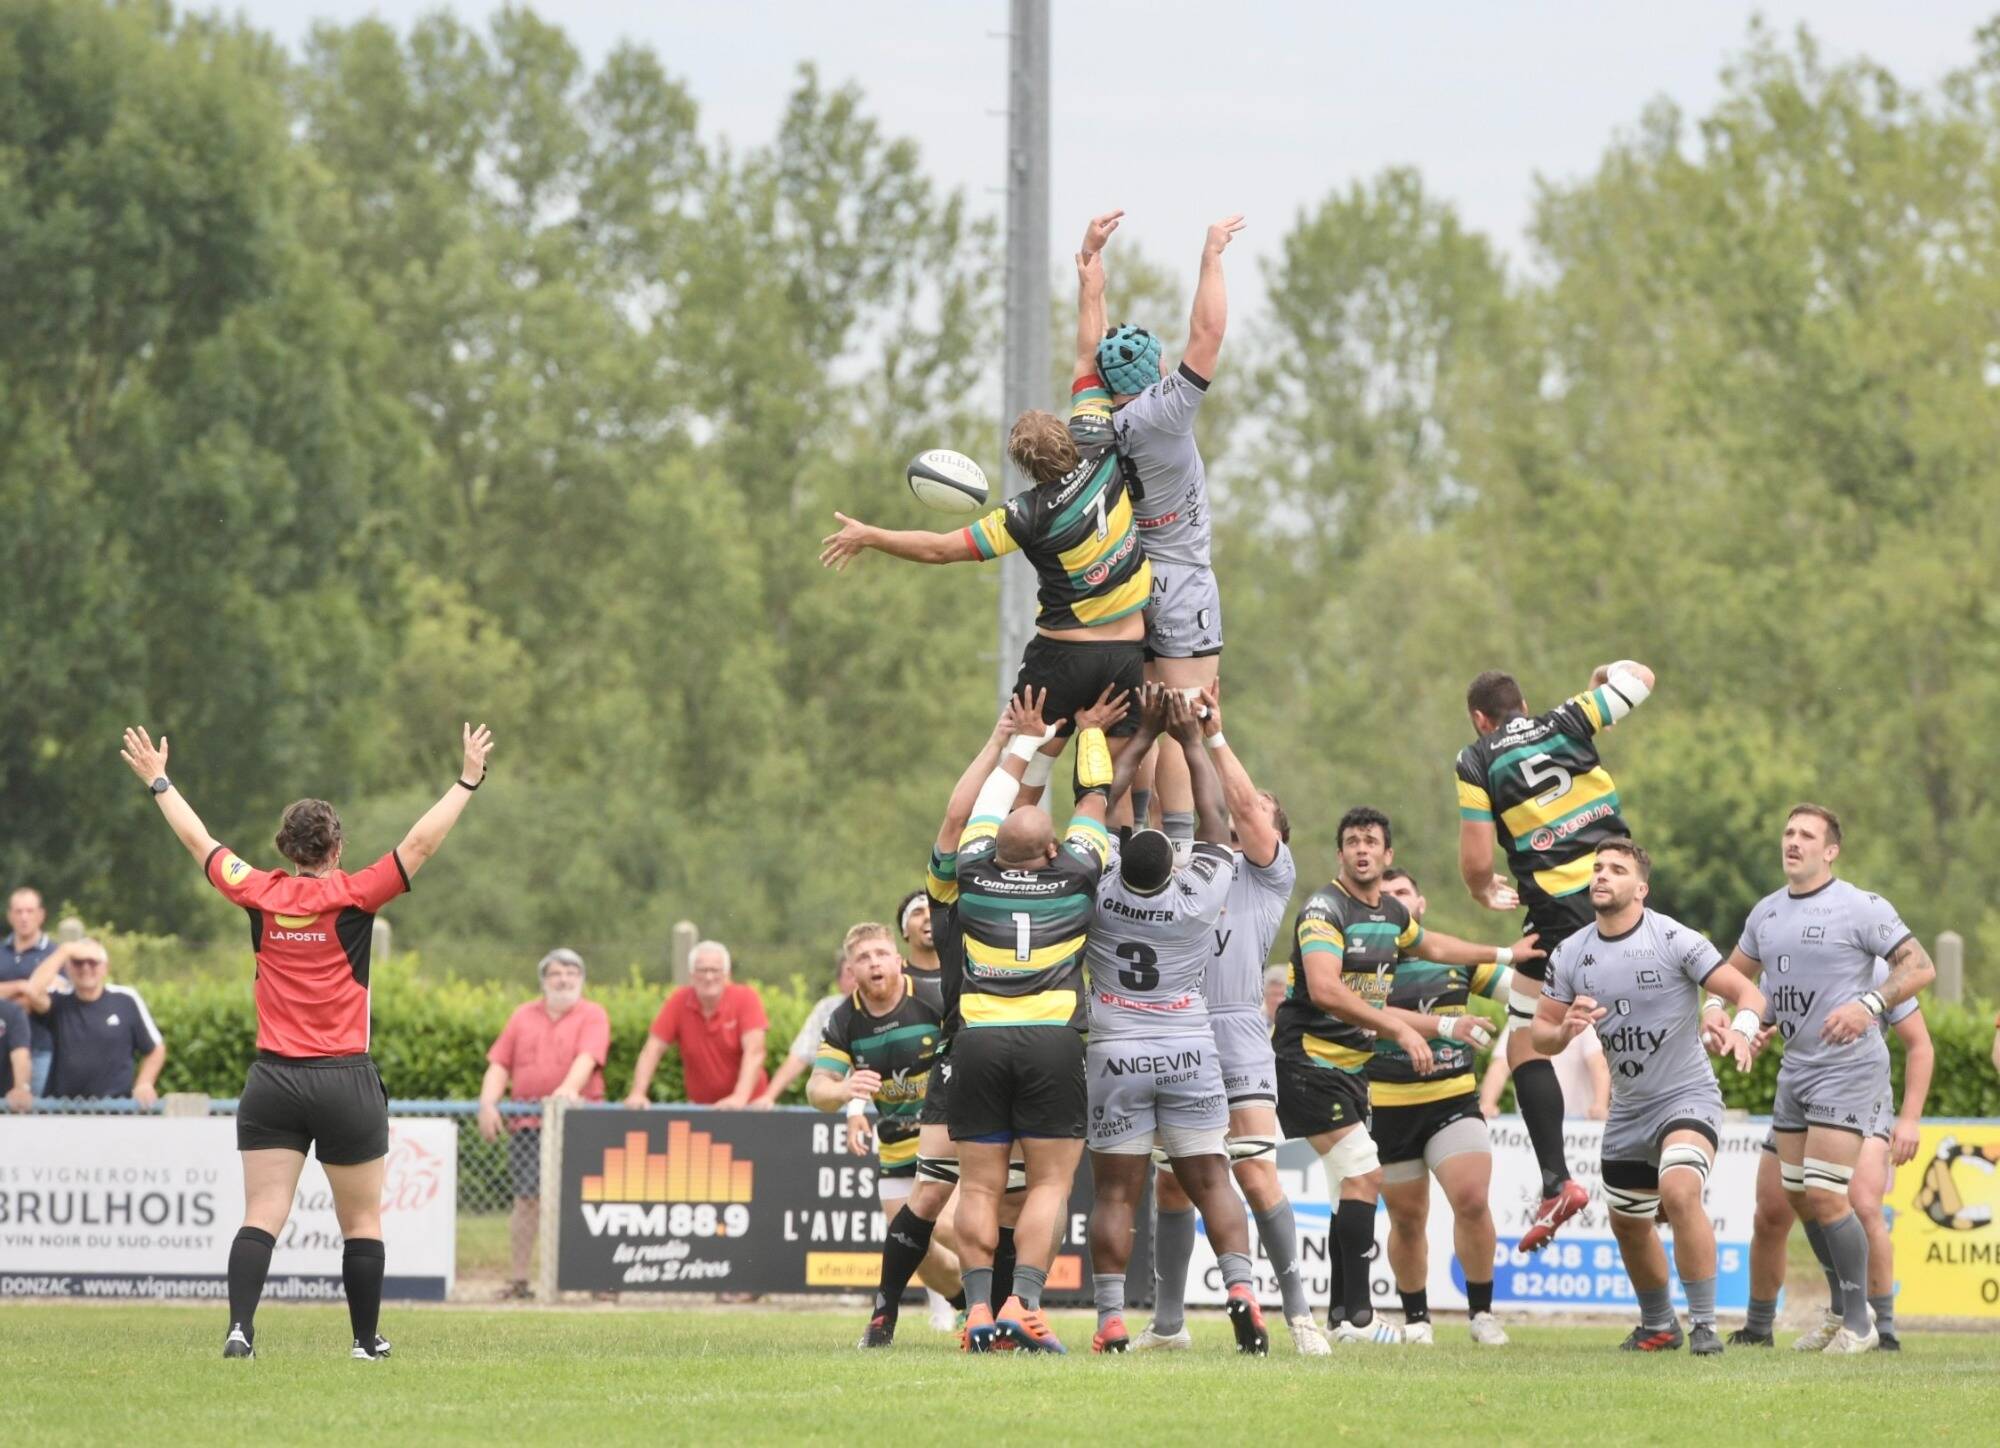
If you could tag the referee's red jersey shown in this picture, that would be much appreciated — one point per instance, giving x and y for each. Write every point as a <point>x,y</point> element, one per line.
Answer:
<point>311,935</point>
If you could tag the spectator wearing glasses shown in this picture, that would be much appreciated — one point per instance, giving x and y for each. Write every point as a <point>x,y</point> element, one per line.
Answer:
<point>106,1044</point>
<point>551,1048</point>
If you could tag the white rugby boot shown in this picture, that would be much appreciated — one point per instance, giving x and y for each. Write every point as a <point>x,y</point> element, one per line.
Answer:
<point>1487,1332</point>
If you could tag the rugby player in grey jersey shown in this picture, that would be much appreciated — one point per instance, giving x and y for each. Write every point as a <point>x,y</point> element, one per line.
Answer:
<point>1636,975</point>
<point>1154,1074</point>
<point>1259,836</point>
<point>1153,419</point>
<point>1816,942</point>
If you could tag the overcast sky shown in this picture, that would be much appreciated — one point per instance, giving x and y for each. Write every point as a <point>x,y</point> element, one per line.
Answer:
<point>1182,112</point>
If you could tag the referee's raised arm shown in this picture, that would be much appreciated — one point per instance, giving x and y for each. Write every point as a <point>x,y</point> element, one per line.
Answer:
<point>150,764</point>
<point>428,833</point>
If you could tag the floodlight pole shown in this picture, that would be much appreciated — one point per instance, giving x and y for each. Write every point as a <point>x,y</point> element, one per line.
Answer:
<point>1026,371</point>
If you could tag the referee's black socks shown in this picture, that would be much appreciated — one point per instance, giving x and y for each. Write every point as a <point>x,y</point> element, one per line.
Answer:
<point>361,1267</point>
<point>249,1264</point>
<point>1540,1096</point>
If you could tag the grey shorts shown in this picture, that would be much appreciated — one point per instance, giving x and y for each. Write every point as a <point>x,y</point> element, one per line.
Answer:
<point>1169,1088</point>
<point>1846,1096</point>
<point>1249,1066</point>
<point>1634,1132</point>
<point>1884,1130</point>
<point>1184,615</point>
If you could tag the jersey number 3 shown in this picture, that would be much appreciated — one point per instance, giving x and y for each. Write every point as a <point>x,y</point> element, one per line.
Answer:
<point>1143,973</point>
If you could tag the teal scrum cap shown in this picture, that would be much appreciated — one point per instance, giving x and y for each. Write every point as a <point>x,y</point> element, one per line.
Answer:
<point>1128,359</point>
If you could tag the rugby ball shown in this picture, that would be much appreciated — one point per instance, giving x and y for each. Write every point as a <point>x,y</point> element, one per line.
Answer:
<point>948,481</point>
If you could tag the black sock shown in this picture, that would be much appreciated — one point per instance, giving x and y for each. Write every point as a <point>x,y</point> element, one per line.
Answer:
<point>1354,1227</point>
<point>1003,1269</point>
<point>903,1252</point>
<point>1540,1097</point>
<point>1478,1297</point>
<point>957,1299</point>
<point>361,1272</point>
<point>1416,1305</point>
<point>249,1263</point>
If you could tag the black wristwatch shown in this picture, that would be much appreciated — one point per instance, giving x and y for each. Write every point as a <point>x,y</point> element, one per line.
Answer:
<point>161,785</point>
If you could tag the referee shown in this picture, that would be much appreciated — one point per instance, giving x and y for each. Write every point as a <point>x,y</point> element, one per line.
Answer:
<point>312,1084</point>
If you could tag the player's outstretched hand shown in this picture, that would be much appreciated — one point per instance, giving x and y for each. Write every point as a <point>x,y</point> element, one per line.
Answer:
<point>1152,710</point>
<point>1099,231</point>
<point>1090,272</point>
<point>1845,1024</point>
<point>837,550</point>
<point>1221,232</point>
<point>146,761</point>
<point>1528,947</point>
<point>1109,709</point>
<point>1211,707</point>
<point>1026,707</point>
<point>1583,1013</point>
<point>1737,1049</point>
<point>1182,720</point>
<point>478,744</point>
<point>1500,896</point>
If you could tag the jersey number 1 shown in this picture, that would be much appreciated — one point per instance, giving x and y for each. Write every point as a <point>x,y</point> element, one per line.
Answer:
<point>1021,947</point>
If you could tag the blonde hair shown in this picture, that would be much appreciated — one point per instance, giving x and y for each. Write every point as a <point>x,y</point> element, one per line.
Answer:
<point>866,930</point>
<point>1040,445</point>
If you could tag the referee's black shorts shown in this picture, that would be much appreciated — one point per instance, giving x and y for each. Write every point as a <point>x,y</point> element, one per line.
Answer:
<point>335,1103</point>
<point>1075,673</point>
<point>1008,1082</point>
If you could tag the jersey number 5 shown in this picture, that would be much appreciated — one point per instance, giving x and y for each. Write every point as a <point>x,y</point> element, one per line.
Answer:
<point>1541,769</point>
<point>1143,972</point>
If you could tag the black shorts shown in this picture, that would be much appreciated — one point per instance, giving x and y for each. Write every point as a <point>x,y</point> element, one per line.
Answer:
<point>937,1091</point>
<point>336,1104</point>
<point>524,1161</point>
<point>1076,673</point>
<point>1402,1132</point>
<point>1313,1100</point>
<point>1015,1081</point>
<point>1554,919</point>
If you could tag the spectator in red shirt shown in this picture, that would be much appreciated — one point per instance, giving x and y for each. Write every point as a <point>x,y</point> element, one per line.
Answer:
<point>552,1047</point>
<point>719,1027</point>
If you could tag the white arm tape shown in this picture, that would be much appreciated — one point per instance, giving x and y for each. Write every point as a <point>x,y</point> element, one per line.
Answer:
<point>1504,956</point>
<point>996,796</point>
<point>1745,1024</point>
<point>1024,746</point>
<point>856,1106</point>
<point>1624,692</point>
<point>1040,767</point>
<point>1713,1003</point>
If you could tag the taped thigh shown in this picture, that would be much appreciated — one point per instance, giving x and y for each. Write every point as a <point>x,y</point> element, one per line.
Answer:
<point>1685,1156</point>
<point>1183,1143</point>
<point>1456,1138</point>
<point>1352,1156</point>
<point>1826,1176</point>
<point>938,1169</point>
<point>1249,1148</point>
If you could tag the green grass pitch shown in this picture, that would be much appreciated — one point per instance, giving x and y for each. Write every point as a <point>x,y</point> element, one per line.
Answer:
<point>764,1375</point>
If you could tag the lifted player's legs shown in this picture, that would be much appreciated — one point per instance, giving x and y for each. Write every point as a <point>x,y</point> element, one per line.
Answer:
<point>1769,1229</point>
<point>1538,1097</point>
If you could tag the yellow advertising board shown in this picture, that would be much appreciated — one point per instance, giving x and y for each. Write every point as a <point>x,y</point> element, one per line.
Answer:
<point>1947,1222</point>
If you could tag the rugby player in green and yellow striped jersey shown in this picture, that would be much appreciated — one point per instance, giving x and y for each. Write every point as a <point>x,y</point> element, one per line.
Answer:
<point>1075,525</point>
<point>1533,785</point>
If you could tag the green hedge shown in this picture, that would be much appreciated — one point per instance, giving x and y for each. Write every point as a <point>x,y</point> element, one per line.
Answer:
<point>430,1037</point>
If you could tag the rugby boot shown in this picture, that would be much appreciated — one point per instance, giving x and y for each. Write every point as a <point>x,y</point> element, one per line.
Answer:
<point>1027,1329</point>
<point>1570,1198</point>
<point>1246,1319</point>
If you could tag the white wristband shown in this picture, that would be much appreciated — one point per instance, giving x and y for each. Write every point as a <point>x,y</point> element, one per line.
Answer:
<point>1021,746</point>
<point>1503,957</point>
<point>1873,1003</point>
<point>1040,767</point>
<point>1745,1024</point>
<point>856,1106</point>
<point>1713,1003</point>
<point>1448,1027</point>
<point>1216,741</point>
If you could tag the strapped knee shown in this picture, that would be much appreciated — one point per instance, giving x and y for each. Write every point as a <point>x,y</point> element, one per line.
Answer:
<point>1633,1202</point>
<point>938,1169</point>
<point>1017,1176</point>
<point>1685,1156</point>
<point>1825,1176</point>
<point>1249,1148</point>
<point>1352,1156</point>
<point>1792,1175</point>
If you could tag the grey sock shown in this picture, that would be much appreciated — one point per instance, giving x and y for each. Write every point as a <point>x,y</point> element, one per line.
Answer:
<point>1179,824</point>
<point>1028,1285</point>
<point>1701,1299</point>
<point>1278,1230</point>
<point>1885,1312</point>
<point>1763,1315</point>
<point>1656,1307</point>
<point>1235,1268</point>
<point>1816,1239</point>
<point>1173,1246</point>
<point>978,1282</point>
<point>1847,1242</point>
<point>1108,1289</point>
